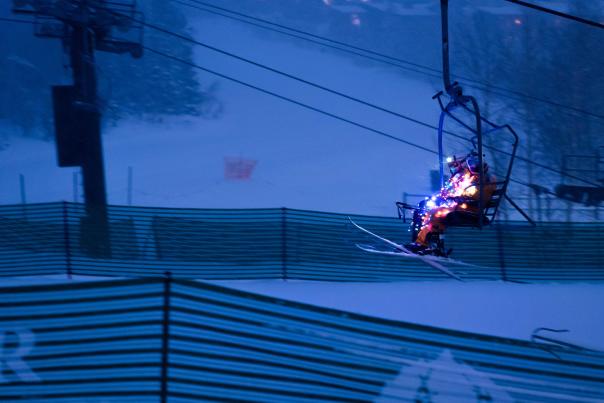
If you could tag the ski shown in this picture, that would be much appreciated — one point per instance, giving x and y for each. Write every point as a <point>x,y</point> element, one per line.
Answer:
<point>402,249</point>
<point>369,248</point>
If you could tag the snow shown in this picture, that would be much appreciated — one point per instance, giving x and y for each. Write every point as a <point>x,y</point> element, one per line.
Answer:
<point>494,308</point>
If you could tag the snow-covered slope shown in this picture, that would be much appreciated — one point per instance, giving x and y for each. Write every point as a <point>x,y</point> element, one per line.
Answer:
<point>493,308</point>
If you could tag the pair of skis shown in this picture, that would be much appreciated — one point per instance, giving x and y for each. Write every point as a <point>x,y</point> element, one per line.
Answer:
<point>401,251</point>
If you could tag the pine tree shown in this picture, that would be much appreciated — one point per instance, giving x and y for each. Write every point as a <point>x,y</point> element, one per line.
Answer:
<point>154,86</point>
<point>151,86</point>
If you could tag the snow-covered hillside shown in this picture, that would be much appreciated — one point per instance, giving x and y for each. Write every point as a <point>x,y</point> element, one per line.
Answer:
<point>493,308</point>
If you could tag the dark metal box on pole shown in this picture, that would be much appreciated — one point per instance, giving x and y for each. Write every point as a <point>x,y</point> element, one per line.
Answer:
<point>85,26</point>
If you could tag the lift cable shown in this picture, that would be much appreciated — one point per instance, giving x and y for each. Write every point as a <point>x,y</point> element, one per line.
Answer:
<point>303,105</point>
<point>295,78</point>
<point>325,42</point>
<point>349,97</point>
<point>382,58</point>
<point>557,13</point>
<point>183,37</point>
<point>284,98</point>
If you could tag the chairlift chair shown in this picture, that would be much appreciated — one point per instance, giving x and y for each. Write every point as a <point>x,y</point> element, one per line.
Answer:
<point>452,102</point>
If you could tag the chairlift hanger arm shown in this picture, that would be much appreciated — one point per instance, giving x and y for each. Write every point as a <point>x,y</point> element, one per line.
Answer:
<point>444,15</point>
<point>454,91</point>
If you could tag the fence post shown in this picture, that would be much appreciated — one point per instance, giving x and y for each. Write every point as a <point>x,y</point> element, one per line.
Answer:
<point>165,347</point>
<point>129,186</point>
<point>74,182</point>
<point>22,188</point>
<point>501,251</point>
<point>23,198</point>
<point>283,243</point>
<point>66,240</point>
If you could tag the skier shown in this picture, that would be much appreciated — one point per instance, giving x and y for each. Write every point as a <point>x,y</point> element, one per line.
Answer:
<point>460,194</point>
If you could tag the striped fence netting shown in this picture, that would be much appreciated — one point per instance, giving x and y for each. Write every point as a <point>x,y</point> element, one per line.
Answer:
<point>279,243</point>
<point>170,340</point>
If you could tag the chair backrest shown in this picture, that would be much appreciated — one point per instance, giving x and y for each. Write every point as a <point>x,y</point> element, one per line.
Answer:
<point>492,205</point>
<point>461,218</point>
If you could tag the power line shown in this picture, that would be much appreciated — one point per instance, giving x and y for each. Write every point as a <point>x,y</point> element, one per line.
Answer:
<point>287,99</point>
<point>337,117</point>
<point>557,13</point>
<point>436,73</point>
<point>397,62</point>
<point>322,38</point>
<point>304,81</point>
<point>416,121</point>
<point>309,107</point>
<point>292,77</point>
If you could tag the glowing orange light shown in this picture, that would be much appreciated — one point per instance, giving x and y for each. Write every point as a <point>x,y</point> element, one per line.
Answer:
<point>463,205</point>
<point>471,191</point>
<point>442,213</point>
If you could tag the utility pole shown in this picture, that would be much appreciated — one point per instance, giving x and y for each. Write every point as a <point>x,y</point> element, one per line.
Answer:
<point>83,26</point>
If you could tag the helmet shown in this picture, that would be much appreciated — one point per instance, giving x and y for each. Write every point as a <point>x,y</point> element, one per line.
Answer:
<point>473,164</point>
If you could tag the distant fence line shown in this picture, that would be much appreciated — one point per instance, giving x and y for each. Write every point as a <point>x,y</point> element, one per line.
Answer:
<point>171,340</point>
<point>56,238</point>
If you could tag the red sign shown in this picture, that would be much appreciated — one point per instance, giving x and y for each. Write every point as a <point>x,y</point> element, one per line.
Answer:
<point>237,168</point>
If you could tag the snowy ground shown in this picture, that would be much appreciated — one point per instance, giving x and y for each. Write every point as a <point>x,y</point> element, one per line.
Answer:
<point>494,308</point>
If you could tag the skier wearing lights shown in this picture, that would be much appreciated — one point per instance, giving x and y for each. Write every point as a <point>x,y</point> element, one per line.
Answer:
<point>460,193</point>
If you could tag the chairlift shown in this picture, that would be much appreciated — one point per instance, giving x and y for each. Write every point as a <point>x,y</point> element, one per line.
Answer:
<point>453,104</point>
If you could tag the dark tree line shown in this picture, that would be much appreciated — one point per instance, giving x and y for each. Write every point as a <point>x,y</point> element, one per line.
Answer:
<point>549,58</point>
<point>148,87</point>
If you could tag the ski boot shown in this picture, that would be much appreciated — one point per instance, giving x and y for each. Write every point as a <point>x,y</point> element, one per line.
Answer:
<point>416,248</point>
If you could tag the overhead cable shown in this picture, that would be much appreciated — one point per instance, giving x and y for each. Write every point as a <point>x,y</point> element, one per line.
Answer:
<point>323,112</point>
<point>379,57</point>
<point>284,98</point>
<point>413,120</point>
<point>558,13</point>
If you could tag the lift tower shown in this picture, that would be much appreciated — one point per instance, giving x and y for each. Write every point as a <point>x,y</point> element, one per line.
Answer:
<point>84,26</point>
